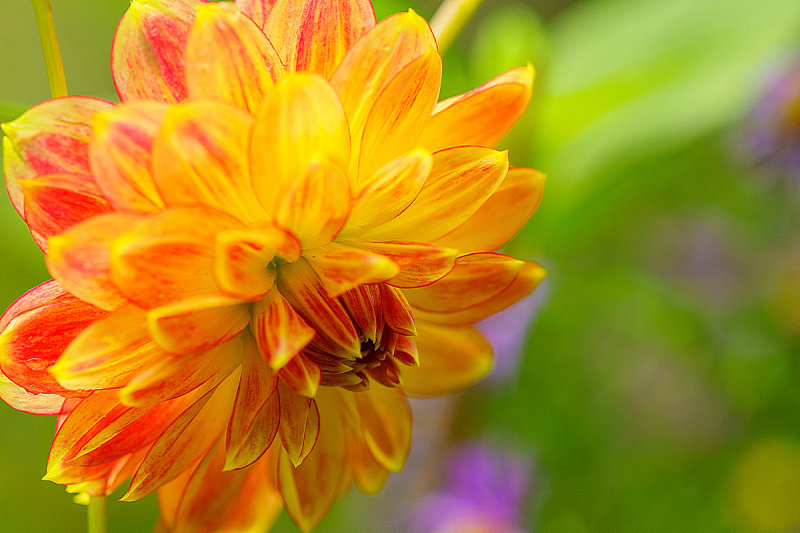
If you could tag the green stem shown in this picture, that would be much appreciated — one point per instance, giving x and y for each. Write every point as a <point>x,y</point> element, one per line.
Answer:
<point>449,20</point>
<point>96,515</point>
<point>52,54</point>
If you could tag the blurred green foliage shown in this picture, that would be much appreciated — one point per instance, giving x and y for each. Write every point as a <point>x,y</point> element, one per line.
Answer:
<point>659,386</point>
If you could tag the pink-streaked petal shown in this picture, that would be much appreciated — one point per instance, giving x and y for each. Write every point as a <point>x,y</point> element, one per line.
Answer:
<point>188,439</point>
<point>169,256</point>
<point>79,259</point>
<point>257,10</point>
<point>314,35</point>
<point>121,155</point>
<point>56,202</point>
<point>228,57</point>
<point>36,330</point>
<point>200,157</point>
<point>147,58</point>
<point>197,323</point>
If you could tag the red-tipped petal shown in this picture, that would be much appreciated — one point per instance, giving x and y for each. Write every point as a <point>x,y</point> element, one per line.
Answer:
<point>281,332</point>
<point>35,331</point>
<point>121,155</point>
<point>301,375</point>
<point>18,398</point>
<point>188,439</point>
<point>302,289</point>
<point>342,268</point>
<point>147,58</point>
<point>316,34</point>
<point>480,285</point>
<point>363,304</point>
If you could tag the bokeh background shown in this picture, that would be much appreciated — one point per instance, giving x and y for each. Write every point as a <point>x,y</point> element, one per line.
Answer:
<point>653,383</point>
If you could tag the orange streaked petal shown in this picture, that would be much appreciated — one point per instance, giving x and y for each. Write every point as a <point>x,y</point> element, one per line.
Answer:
<point>169,256</point>
<point>147,58</point>
<point>527,279</point>
<point>481,116</point>
<point>301,287</point>
<point>373,62</point>
<point>36,330</point>
<point>361,304</point>
<point>199,157</point>
<point>205,498</point>
<point>450,358</point>
<point>18,398</point>
<point>228,57</point>
<point>386,422</point>
<point>281,332</point>
<point>480,285</point>
<point>503,214</point>
<point>396,311</point>
<point>316,34</point>
<point>300,423</point>
<point>256,410</point>
<point>257,10</point>
<point>316,207</point>
<point>50,138</point>
<point>461,181</point>
<point>242,260</point>
<point>390,190</point>
<point>171,377</point>
<point>300,121</point>
<point>107,353</point>
<point>305,497</point>
<point>400,112</point>
<point>341,268</point>
<point>198,322</point>
<point>301,375</point>
<point>121,155</point>
<point>188,439</point>
<point>56,202</point>
<point>79,259</point>
<point>420,264</point>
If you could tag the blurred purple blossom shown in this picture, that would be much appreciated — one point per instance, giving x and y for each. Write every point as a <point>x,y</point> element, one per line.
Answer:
<point>484,492</point>
<point>773,130</point>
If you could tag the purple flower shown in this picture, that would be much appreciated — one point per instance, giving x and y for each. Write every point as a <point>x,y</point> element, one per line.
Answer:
<point>484,492</point>
<point>773,136</point>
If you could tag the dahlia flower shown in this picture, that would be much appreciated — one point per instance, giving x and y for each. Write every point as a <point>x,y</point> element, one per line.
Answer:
<point>275,236</point>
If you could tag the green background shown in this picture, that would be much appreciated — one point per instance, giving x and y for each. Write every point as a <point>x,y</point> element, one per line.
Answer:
<point>660,385</point>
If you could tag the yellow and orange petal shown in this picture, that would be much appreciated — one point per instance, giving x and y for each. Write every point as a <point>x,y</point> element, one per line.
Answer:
<point>275,237</point>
